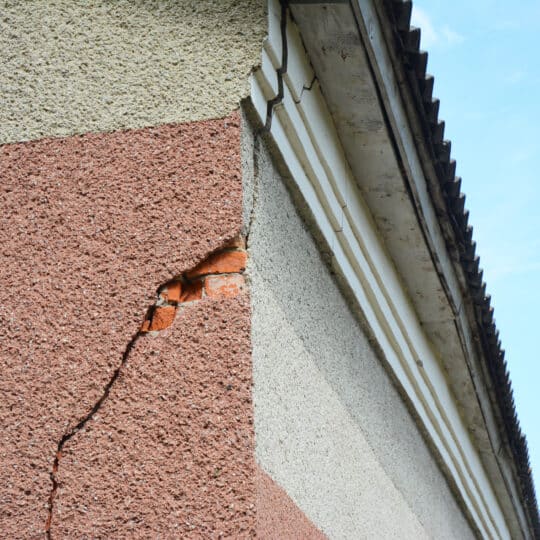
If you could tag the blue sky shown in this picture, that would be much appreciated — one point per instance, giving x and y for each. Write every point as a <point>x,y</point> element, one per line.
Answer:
<point>485,58</point>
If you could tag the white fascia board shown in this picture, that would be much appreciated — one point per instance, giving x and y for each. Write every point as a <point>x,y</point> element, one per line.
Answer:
<point>257,95</point>
<point>318,121</point>
<point>306,187</point>
<point>273,42</point>
<point>299,74</point>
<point>270,81</point>
<point>303,131</point>
<point>296,130</point>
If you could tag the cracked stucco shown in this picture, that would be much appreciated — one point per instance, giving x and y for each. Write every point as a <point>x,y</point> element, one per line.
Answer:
<point>165,300</point>
<point>81,426</point>
<point>90,226</point>
<point>170,453</point>
<point>71,67</point>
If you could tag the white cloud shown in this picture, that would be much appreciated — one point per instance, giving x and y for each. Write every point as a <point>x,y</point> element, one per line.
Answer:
<point>421,19</point>
<point>430,35</point>
<point>451,37</point>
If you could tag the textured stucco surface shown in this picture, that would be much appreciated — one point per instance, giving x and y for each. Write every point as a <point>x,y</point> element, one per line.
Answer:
<point>72,66</point>
<point>278,517</point>
<point>330,427</point>
<point>170,453</point>
<point>90,226</point>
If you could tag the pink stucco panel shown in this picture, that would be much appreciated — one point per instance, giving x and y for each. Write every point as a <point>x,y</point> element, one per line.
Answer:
<point>278,516</point>
<point>170,453</point>
<point>90,226</point>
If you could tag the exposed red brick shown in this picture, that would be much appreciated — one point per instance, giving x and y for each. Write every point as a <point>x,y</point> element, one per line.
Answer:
<point>172,292</point>
<point>224,286</point>
<point>145,325</point>
<point>192,291</point>
<point>162,318</point>
<point>220,263</point>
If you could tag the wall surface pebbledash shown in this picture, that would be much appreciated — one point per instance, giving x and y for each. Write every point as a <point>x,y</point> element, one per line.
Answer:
<point>91,226</point>
<point>71,67</point>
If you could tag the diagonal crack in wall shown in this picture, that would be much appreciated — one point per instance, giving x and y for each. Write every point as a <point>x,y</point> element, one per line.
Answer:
<point>220,275</point>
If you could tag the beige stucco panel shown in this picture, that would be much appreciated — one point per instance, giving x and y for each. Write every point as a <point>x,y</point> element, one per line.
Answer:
<point>72,67</point>
<point>319,454</point>
<point>330,426</point>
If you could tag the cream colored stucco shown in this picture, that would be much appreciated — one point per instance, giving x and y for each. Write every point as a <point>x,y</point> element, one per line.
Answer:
<point>75,66</point>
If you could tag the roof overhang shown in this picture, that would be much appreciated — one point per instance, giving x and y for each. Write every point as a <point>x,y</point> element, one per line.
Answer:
<point>338,100</point>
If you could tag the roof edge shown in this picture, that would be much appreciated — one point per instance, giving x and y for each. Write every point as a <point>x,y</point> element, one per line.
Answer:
<point>405,44</point>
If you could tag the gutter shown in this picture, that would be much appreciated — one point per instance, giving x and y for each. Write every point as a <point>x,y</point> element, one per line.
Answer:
<point>416,89</point>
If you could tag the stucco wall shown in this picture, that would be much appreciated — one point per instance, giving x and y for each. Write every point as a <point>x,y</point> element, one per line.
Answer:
<point>330,427</point>
<point>109,428</point>
<point>278,517</point>
<point>170,453</point>
<point>72,66</point>
<point>91,226</point>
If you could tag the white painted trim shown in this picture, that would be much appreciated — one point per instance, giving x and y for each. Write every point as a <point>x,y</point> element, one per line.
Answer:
<point>303,130</point>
